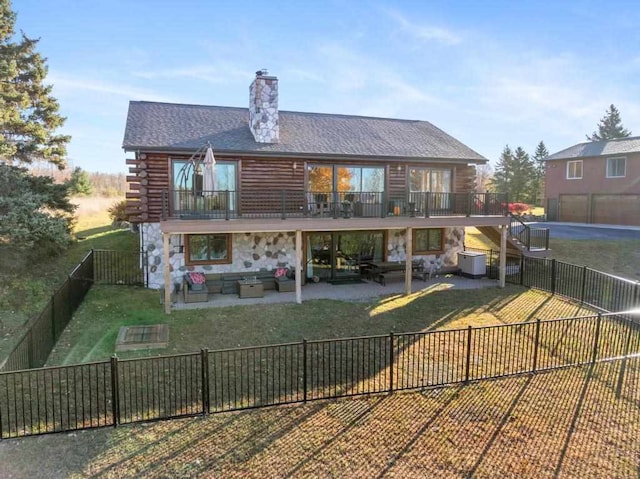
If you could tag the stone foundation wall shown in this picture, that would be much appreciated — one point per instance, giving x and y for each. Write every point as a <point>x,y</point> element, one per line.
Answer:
<point>253,252</point>
<point>453,243</point>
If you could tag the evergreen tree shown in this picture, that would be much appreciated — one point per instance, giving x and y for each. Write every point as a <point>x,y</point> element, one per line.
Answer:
<point>539,164</point>
<point>610,127</point>
<point>80,184</point>
<point>514,174</point>
<point>28,113</point>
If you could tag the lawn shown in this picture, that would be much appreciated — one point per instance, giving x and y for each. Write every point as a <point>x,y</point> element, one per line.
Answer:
<point>620,258</point>
<point>92,333</point>
<point>568,423</point>
<point>24,290</point>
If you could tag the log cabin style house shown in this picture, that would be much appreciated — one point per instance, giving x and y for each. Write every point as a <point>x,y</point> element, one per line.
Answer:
<point>321,195</point>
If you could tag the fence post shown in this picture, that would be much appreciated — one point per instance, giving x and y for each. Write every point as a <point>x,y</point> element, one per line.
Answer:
<point>204,370</point>
<point>391,346</point>
<point>304,370</point>
<point>115,397</point>
<point>536,347</point>
<point>584,284</point>
<point>553,276</point>
<point>521,269</point>
<point>468,360</point>
<point>623,364</point>
<point>597,339</point>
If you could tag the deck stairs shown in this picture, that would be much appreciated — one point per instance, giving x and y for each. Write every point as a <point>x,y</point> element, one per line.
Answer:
<point>522,239</point>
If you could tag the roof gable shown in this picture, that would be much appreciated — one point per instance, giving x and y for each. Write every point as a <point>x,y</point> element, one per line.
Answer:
<point>167,126</point>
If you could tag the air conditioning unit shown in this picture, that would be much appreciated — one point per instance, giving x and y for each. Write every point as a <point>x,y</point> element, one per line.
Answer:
<point>472,265</point>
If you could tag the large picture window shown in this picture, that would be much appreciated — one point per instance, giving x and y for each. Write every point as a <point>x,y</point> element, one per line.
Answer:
<point>428,241</point>
<point>432,180</point>
<point>616,167</point>
<point>574,170</point>
<point>208,249</point>
<point>354,179</point>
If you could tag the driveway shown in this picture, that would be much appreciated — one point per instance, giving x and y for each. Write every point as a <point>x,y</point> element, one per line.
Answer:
<point>590,232</point>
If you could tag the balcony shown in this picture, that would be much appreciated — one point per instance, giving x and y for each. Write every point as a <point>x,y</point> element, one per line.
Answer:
<point>283,204</point>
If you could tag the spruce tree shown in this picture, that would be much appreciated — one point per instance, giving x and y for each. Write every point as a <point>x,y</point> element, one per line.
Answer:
<point>514,174</point>
<point>28,113</point>
<point>539,164</point>
<point>80,184</point>
<point>610,127</point>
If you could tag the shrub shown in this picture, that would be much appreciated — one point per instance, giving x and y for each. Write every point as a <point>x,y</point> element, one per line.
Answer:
<point>518,208</point>
<point>117,211</point>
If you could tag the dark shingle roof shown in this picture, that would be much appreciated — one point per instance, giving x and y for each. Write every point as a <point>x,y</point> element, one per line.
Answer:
<point>166,126</point>
<point>620,146</point>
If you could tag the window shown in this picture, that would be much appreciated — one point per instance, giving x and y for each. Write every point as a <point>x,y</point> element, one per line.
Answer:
<point>208,249</point>
<point>428,179</point>
<point>326,179</point>
<point>616,167</point>
<point>428,241</point>
<point>574,170</point>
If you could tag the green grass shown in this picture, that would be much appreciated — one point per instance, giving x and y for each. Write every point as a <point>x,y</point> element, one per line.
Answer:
<point>567,423</point>
<point>92,333</point>
<point>25,288</point>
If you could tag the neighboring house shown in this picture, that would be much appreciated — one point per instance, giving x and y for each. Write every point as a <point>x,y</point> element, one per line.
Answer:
<point>595,182</point>
<point>321,194</point>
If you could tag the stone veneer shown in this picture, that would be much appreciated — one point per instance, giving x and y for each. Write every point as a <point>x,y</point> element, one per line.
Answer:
<point>251,252</point>
<point>263,108</point>
<point>267,251</point>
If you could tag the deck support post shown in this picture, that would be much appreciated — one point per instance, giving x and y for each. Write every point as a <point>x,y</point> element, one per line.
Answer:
<point>167,273</point>
<point>408,271</point>
<point>503,256</point>
<point>299,266</point>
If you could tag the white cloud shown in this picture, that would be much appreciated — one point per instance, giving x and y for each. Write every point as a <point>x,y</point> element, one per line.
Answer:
<point>422,32</point>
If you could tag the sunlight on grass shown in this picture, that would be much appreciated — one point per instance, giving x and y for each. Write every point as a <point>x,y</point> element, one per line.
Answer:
<point>400,301</point>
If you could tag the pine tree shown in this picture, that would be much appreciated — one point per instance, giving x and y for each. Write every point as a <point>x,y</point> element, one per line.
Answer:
<point>80,183</point>
<point>539,164</point>
<point>28,113</point>
<point>514,175</point>
<point>610,127</point>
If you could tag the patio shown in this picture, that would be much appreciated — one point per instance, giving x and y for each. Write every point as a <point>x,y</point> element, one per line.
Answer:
<point>363,291</point>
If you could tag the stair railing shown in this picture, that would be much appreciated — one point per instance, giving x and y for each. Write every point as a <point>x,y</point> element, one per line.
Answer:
<point>530,238</point>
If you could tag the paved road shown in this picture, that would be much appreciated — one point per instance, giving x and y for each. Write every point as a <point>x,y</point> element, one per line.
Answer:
<point>586,232</point>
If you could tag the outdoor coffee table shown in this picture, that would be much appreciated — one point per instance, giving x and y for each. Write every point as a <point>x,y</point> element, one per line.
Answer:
<point>250,288</point>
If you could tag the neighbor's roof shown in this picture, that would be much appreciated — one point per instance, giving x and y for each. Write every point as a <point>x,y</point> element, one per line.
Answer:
<point>177,127</point>
<point>620,146</point>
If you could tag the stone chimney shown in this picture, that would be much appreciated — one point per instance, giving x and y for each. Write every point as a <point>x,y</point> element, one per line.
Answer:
<point>263,108</point>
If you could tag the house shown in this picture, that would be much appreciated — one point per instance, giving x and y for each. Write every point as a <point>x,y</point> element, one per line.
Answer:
<point>323,195</point>
<point>595,182</point>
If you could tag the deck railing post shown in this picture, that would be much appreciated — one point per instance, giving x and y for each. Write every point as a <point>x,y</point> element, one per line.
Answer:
<point>391,346</point>
<point>115,397</point>
<point>283,203</point>
<point>534,368</point>
<point>467,368</point>
<point>427,204</point>
<point>304,370</point>
<point>227,204</point>
<point>204,370</point>
<point>596,341</point>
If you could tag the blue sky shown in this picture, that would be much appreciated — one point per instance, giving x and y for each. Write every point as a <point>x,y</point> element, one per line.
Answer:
<point>489,73</point>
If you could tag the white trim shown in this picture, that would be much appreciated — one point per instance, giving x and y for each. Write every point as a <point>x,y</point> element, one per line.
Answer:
<point>606,168</point>
<point>569,163</point>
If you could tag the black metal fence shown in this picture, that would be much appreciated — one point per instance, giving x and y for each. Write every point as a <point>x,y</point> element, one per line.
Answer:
<point>591,287</point>
<point>43,330</point>
<point>115,392</point>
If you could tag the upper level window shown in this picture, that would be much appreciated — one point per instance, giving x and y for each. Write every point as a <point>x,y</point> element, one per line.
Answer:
<point>616,167</point>
<point>430,179</point>
<point>358,179</point>
<point>574,170</point>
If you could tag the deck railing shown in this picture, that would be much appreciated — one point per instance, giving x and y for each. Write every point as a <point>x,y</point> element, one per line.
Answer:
<point>188,204</point>
<point>532,238</point>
